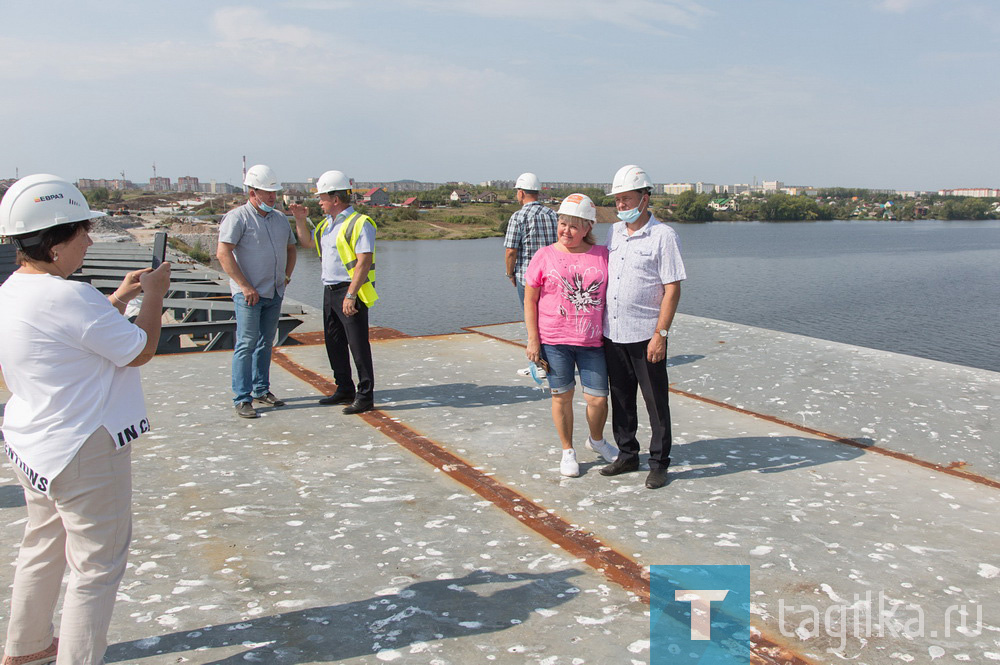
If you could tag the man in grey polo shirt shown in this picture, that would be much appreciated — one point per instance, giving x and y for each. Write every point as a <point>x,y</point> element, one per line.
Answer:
<point>257,251</point>
<point>645,271</point>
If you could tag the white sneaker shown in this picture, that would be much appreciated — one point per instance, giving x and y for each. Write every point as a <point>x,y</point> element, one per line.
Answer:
<point>569,467</point>
<point>606,450</point>
<point>539,372</point>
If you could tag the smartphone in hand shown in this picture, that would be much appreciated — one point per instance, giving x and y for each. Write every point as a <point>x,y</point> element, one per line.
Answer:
<point>159,248</point>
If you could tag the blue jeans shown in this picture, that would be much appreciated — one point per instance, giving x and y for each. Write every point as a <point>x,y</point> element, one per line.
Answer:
<point>563,359</point>
<point>255,328</point>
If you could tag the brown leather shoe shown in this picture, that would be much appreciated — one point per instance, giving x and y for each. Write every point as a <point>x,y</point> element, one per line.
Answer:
<point>269,399</point>
<point>246,410</point>
<point>43,657</point>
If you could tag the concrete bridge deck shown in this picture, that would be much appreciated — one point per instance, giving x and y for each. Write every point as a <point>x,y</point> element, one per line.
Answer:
<point>437,530</point>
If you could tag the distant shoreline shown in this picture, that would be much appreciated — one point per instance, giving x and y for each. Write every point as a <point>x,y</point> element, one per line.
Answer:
<point>461,223</point>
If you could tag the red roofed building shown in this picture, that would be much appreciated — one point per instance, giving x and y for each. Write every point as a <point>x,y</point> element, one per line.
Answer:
<point>376,197</point>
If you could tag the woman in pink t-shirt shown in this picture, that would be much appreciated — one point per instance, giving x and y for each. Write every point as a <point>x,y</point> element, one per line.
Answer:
<point>565,285</point>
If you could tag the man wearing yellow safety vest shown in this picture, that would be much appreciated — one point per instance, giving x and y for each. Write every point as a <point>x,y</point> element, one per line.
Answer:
<point>345,240</point>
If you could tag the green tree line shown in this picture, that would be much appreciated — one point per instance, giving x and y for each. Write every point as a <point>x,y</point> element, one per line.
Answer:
<point>839,203</point>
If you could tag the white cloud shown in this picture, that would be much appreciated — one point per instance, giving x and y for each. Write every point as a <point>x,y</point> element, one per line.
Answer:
<point>642,15</point>
<point>247,24</point>
<point>320,5</point>
<point>898,6</point>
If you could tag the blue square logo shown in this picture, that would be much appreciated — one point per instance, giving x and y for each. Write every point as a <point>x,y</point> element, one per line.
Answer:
<point>699,615</point>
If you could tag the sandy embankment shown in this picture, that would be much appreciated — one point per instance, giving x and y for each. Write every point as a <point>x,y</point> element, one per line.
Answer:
<point>130,228</point>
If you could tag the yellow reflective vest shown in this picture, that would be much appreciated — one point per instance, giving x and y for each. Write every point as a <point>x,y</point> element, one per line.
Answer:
<point>347,238</point>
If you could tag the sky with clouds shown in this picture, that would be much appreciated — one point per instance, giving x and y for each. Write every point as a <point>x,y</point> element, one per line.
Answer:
<point>872,93</point>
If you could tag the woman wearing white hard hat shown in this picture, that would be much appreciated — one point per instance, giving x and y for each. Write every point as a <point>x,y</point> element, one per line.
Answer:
<point>69,357</point>
<point>565,284</point>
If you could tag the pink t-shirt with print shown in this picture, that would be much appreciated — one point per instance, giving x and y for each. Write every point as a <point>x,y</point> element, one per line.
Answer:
<point>572,290</point>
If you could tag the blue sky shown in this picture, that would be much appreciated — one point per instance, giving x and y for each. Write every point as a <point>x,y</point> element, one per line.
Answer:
<point>872,93</point>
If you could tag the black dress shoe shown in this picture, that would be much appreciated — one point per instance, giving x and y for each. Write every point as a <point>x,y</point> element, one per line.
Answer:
<point>656,479</point>
<point>359,406</point>
<point>337,398</point>
<point>620,466</point>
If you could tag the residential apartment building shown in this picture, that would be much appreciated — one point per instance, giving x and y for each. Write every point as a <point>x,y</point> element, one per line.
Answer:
<point>981,192</point>
<point>159,184</point>
<point>398,186</point>
<point>84,184</point>
<point>187,184</point>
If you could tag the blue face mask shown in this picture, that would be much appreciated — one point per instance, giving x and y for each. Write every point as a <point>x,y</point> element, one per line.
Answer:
<point>629,216</point>
<point>263,207</point>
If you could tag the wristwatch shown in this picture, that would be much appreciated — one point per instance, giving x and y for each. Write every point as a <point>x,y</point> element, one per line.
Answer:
<point>351,296</point>
<point>662,332</point>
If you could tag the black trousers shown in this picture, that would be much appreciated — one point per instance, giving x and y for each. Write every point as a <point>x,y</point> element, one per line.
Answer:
<point>347,333</point>
<point>628,370</point>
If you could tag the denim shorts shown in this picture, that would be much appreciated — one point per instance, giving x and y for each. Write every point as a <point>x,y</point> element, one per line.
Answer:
<point>564,358</point>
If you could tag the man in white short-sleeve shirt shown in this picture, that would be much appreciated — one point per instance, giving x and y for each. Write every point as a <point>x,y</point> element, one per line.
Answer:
<point>645,271</point>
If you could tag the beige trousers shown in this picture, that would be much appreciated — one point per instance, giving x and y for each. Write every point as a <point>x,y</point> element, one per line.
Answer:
<point>87,524</point>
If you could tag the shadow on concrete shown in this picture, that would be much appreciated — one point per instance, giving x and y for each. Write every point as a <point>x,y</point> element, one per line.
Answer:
<point>420,613</point>
<point>765,454</point>
<point>461,395</point>
<point>683,360</point>
<point>12,496</point>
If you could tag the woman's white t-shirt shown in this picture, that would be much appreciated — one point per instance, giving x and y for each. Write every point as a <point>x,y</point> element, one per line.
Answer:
<point>63,352</point>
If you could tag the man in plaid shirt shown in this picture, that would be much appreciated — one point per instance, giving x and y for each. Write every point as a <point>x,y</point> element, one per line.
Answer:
<point>529,229</point>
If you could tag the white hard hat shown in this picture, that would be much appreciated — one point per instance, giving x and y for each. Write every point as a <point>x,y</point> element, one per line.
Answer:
<point>578,205</point>
<point>333,181</point>
<point>38,202</point>
<point>528,181</point>
<point>629,178</point>
<point>262,177</point>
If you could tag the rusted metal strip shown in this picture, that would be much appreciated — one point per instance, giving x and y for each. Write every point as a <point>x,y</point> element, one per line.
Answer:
<point>615,566</point>
<point>954,469</point>
<point>374,333</point>
<point>489,336</point>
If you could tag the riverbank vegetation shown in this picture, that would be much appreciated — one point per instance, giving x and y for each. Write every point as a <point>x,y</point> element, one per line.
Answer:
<point>834,203</point>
